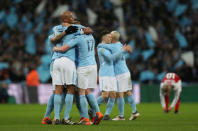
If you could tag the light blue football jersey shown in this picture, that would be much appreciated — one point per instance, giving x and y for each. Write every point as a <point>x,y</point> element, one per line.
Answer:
<point>56,30</point>
<point>54,55</point>
<point>120,66</point>
<point>85,45</point>
<point>70,53</point>
<point>106,59</point>
<point>50,44</point>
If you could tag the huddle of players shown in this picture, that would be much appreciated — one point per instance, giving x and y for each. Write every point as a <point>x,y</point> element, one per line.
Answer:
<point>74,69</point>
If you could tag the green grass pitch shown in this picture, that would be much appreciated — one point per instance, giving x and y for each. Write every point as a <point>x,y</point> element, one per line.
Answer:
<point>28,118</point>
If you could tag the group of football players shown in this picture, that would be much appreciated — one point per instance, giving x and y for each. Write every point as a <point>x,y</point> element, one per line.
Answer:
<point>74,75</point>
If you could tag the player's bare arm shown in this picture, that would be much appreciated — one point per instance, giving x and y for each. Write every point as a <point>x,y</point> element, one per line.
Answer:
<point>61,49</point>
<point>70,30</point>
<point>58,37</point>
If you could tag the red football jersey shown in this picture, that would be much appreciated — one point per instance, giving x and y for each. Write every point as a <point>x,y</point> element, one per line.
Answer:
<point>171,77</point>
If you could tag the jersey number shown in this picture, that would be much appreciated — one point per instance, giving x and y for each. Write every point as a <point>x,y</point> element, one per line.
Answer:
<point>170,76</point>
<point>90,44</point>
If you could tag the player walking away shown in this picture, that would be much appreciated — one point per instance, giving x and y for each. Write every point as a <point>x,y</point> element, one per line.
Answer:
<point>107,79</point>
<point>87,75</point>
<point>169,82</point>
<point>123,77</point>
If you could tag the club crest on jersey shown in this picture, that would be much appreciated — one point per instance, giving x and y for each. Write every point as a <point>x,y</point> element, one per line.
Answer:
<point>102,50</point>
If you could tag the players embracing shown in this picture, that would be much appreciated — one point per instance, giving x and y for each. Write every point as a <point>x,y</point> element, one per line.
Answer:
<point>70,39</point>
<point>64,71</point>
<point>121,73</point>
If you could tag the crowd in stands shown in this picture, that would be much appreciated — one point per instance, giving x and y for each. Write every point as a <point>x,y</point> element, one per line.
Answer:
<point>163,34</point>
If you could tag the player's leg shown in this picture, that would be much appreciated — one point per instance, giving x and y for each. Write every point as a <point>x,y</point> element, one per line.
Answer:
<point>120,101</point>
<point>110,104</point>
<point>84,108</point>
<point>68,103</point>
<point>177,106</point>
<point>57,103</point>
<point>92,101</point>
<point>63,98</point>
<point>101,99</point>
<point>105,93</point>
<point>178,93</point>
<point>82,86</point>
<point>131,101</point>
<point>58,87</point>
<point>92,84</point>
<point>91,111</point>
<point>166,102</point>
<point>104,96</point>
<point>49,109</point>
<point>68,74</point>
<point>122,81</point>
<point>77,98</point>
<point>110,86</point>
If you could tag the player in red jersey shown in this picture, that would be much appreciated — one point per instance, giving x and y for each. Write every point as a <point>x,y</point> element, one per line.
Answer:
<point>169,82</point>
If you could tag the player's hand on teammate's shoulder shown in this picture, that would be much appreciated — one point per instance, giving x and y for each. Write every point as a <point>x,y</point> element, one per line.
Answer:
<point>127,48</point>
<point>87,31</point>
<point>71,29</point>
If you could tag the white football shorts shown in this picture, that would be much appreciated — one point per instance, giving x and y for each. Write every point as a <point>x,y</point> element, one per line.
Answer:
<point>63,72</point>
<point>107,83</point>
<point>87,77</point>
<point>124,82</point>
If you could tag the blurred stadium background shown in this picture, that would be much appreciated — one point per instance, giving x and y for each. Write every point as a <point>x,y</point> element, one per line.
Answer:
<point>164,35</point>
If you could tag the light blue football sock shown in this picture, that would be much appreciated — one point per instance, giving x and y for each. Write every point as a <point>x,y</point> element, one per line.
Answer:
<point>50,106</point>
<point>110,104</point>
<point>62,101</point>
<point>93,102</point>
<point>100,100</point>
<point>57,105</point>
<point>68,105</point>
<point>131,101</point>
<point>120,102</point>
<point>83,106</point>
<point>78,104</point>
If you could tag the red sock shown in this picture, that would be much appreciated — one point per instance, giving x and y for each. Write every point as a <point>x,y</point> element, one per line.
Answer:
<point>177,105</point>
<point>167,101</point>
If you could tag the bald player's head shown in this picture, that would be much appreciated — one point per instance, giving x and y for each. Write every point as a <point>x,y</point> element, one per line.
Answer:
<point>67,17</point>
<point>115,36</point>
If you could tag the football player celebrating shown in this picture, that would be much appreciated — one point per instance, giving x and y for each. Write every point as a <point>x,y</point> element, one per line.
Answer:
<point>50,105</point>
<point>87,74</point>
<point>123,77</point>
<point>60,62</point>
<point>107,76</point>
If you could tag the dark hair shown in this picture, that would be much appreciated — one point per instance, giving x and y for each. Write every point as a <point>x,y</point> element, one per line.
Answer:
<point>105,32</point>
